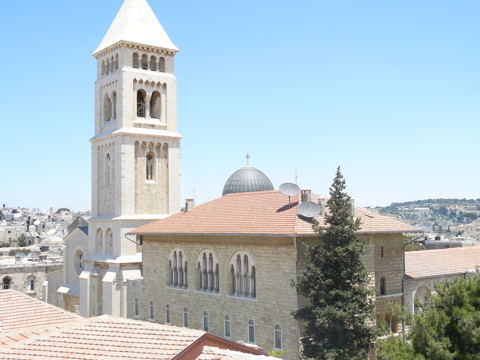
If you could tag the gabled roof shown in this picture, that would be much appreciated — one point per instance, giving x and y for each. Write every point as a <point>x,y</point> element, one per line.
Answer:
<point>32,329</point>
<point>259,213</point>
<point>442,262</point>
<point>136,23</point>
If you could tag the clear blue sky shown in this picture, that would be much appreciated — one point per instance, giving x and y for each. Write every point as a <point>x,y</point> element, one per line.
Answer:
<point>389,90</point>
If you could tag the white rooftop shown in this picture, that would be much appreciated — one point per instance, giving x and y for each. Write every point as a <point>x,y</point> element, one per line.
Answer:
<point>137,23</point>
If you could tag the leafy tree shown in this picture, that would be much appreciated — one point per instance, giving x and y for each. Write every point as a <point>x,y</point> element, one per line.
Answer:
<point>21,241</point>
<point>446,329</point>
<point>1,215</point>
<point>340,305</point>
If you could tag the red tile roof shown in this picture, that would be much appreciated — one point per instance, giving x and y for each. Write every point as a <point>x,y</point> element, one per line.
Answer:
<point>430,263</point>
<point>23,317</point>
<point>259,213</point>
<point>65,335</point>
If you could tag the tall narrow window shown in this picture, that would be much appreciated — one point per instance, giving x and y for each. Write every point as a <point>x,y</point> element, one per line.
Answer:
<point>251,331</point>
<point>140,104</point>
<point>109,241</point>
<point>151,312</point>
<point>381,251</point>
<point>155,106</point>
<point>30,284</point>
<point>107,108</point>
<point>107,66</point>
<point>278,337</point>
<point>185,317</point>
<point>107,169</point>
<point>228,333</point>
<point>135,61</point>
<point>99,241</point>
<point>167,314</point>
<point>116,62</point>
<point>153,63</point>
<point>161,64</point>
<point>135,308</point>
<point>114,108</point>
<point>144,62</point>
<point>205,321</point>
<point>383,286</point>
<point>103,67</point>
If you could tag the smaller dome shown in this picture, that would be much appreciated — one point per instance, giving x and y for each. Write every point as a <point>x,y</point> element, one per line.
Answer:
<point>52,241</point>
<point>247,179</point>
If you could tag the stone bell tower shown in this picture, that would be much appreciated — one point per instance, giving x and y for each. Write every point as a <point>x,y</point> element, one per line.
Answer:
<point>135,152</point>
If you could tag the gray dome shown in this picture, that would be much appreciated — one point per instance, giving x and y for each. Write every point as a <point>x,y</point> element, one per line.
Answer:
<point>247,179</point>
<point>52,241</point>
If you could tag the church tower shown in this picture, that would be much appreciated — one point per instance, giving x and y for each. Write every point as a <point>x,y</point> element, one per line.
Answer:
<point>135,152</point>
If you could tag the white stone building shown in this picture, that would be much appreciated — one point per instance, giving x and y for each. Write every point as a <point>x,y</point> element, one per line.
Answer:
<point>135,160</point>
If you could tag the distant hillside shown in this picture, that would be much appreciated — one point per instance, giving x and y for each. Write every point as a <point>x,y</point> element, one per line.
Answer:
<point>452,217</point>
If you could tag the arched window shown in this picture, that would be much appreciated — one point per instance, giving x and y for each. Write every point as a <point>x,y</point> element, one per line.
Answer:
<point>150,166</point>
<point>205,321</point>
<point>153,63</point>
<point>155,105</point>
<point>383,286</point>
<point>107,67</point>
<point>114,107</point>
<point>168,319</point>
<point>185,317</point>
<point>107,108</point>
<point>242,275</point>
<point>177,269</point>
<point>116,62</point>
<point>140,103</point>
<point>109,241</point>
<point>135,61</point>
<point>144,62</point>
<point>107,169</point>
<point>151,312</point>
<point>208,276</point>
<point>78,261</point>
<point>228,332</point>
<point>6,283</point>
<point>99,240</point>
<point>278,337</point>
<point>135,308</point>
<point>161,64</point>
<point>103,67</point>
<point>251,331</point>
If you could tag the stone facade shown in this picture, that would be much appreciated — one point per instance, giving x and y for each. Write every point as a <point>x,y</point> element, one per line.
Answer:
<point>277,261</point>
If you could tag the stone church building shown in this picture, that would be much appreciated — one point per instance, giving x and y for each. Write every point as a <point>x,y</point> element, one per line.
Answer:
<point>224,266</point>
<point>135,160</point>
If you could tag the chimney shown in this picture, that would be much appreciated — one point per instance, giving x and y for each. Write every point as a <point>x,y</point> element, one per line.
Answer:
<point>352,207</point>
<point>305,195</point>
<point>189,203</point>
<point>323,206</point>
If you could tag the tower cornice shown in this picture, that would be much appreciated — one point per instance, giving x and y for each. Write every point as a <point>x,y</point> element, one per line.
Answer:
<point>130,45</point>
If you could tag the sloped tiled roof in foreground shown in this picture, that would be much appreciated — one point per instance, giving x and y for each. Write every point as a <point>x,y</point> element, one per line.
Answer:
<point>64,335</point>
<point>442,262</point>
<point>23,317</point>
<point>259,213</point>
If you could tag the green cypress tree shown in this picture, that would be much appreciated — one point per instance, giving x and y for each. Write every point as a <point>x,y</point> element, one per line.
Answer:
<point>337,317</point>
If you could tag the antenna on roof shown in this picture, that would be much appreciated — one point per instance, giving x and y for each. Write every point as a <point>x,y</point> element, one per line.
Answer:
<point>289,189</point>
<point>309,209</point>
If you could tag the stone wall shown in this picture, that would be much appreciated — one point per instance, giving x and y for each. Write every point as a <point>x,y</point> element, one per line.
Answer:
<point>20,273</point>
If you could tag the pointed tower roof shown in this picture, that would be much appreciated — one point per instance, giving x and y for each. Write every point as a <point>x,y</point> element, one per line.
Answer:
<point>137,23</point>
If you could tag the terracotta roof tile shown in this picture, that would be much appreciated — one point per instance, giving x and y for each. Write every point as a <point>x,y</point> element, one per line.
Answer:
<point>259,213</point>
<point>431,263</point>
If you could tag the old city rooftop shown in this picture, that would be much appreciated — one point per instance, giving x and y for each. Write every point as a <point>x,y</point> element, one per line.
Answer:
<point>431,263</point>
<point>32,329</point>
<point>259,213</point>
